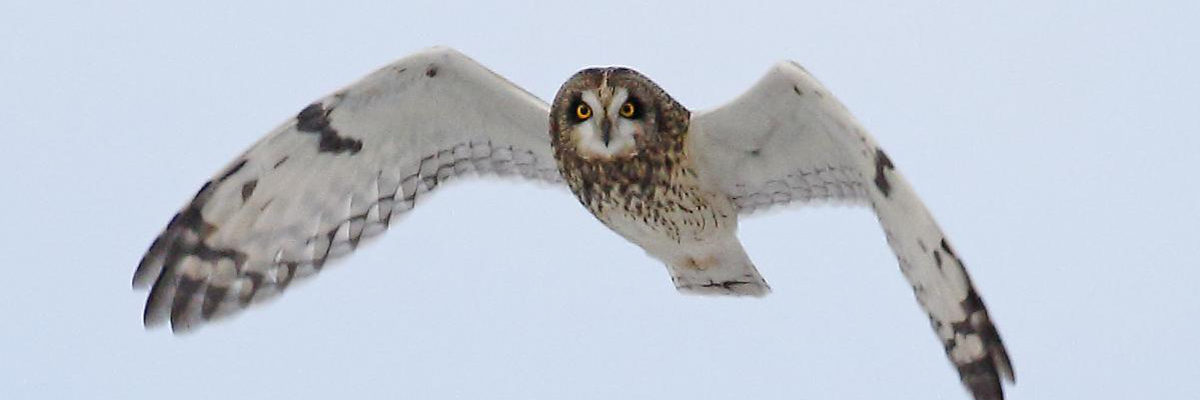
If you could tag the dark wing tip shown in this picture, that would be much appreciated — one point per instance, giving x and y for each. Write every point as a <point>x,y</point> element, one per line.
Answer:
<point>984,385</point>
<point>1003,363</point>
<point>984,376</point>
<point>152,262</point>
<point>157,302</point>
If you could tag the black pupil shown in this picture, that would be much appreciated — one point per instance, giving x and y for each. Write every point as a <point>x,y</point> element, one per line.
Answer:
<point>630,109</point>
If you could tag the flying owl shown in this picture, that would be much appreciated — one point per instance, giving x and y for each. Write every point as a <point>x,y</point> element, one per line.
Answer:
<point>669,180</point>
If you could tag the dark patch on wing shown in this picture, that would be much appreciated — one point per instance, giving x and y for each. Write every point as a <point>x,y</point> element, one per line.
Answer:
<point>280,162</point>
<point>312,118</point>
<point>190,218</point>
<point>315,119</point>
<point>883,162</point>
<point>232,170</point>
<point>184,236</point>
<point>946,247</point>
<point>797,90</point>
<point>185,293</point>
<point>212,300</point>
<point>248,189</point>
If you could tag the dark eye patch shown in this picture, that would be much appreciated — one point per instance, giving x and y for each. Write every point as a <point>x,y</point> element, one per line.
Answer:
<point>637,107</point>
<point>574,104</point>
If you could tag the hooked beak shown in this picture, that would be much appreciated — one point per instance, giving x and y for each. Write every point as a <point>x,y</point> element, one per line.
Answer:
<point>606,131</point>
<point>606,95</point>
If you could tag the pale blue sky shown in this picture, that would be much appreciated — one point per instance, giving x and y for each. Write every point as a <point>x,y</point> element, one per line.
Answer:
<point>1053,142</point>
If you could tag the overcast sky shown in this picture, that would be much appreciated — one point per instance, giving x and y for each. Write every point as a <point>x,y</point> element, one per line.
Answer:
<point>1054,143</point>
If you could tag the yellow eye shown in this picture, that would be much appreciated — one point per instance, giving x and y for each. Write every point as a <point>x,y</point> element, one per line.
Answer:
<point>627,110</point>
<point>583,111</point>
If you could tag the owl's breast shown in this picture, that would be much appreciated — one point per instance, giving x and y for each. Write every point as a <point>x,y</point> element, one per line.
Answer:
<point>674,211</point>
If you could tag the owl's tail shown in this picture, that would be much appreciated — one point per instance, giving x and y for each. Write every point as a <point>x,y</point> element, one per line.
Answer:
<point>718,269</point>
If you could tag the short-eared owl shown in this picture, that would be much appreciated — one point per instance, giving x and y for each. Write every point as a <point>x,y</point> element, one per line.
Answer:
<point>669,180</point>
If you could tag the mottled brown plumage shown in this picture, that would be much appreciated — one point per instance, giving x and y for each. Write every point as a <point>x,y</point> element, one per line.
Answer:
<point>640,183</point>
<point>652,195</point>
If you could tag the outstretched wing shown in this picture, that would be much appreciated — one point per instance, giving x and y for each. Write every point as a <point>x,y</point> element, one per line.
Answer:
<point>335,174</point>
<point>788,139</point>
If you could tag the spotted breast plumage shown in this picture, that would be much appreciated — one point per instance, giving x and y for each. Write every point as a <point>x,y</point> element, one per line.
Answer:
<point>669,180</point>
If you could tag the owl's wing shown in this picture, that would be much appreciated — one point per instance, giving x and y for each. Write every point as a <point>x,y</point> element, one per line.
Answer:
<point>788,139</point>
<point>335,174</point>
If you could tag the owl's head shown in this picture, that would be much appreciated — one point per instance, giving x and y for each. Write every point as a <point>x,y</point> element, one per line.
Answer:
<point>614,113</point>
